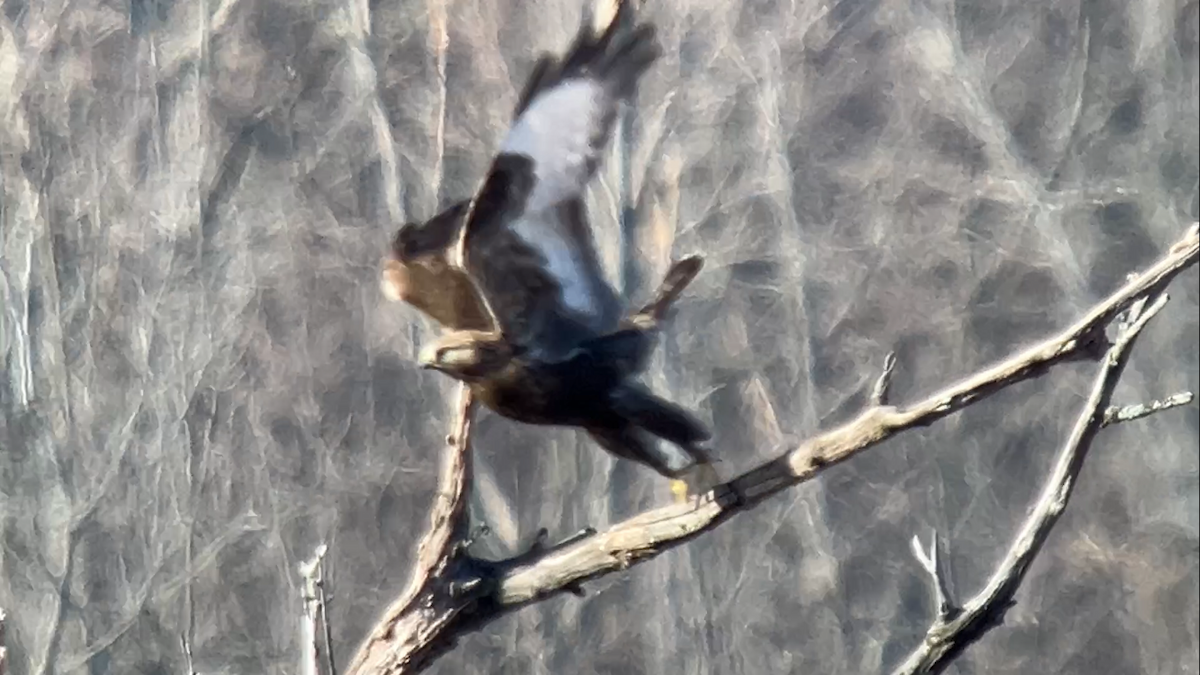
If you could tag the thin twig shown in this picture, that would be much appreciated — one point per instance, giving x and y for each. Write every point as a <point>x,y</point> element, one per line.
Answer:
<point>316,607</point>
<point>883,385</point>
<point>427,620</point>
<point>1116,414</point>
<point>3,648</point>
<point>187,654</point>
<point>327,629</point>
<point>949,635</point>
<point>310,571</point>
<point>932,562</point>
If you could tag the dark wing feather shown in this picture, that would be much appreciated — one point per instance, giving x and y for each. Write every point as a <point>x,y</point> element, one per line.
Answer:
<point>678,277</point>
<point>434,237</point>
<point>539,79</point>
<point>527,243</point>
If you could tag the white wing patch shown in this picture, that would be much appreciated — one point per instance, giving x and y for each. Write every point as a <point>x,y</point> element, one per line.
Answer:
<point>542,231</point>
<point>555,131</point>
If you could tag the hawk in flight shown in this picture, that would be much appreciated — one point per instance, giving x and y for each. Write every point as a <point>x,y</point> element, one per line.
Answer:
<point>536,330</point>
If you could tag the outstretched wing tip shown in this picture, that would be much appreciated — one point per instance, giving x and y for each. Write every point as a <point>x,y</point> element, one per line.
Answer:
<point>523,211</point>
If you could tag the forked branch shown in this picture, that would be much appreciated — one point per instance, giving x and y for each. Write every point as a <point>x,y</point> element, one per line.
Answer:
<point>452,593</point>
<point>957,627</point>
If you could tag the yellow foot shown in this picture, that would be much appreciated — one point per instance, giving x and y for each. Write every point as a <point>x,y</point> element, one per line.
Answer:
<point>699,480</point>
<point>679,490</point>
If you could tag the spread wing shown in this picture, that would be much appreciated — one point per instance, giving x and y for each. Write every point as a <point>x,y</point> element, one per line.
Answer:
<point>527,243</point>
<point>420,273</point>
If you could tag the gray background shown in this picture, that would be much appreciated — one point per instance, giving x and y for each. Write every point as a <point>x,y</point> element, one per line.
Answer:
<point>202,380</point>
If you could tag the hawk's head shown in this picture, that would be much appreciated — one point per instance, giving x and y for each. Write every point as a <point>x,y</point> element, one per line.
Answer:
<point>468,354</point>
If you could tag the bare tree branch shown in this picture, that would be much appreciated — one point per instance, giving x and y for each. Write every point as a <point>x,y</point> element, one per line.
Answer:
<point>428,619</point>
<point>322,601</point>
<point>879,394</point>
<point>315,609</point>
<point>3,649</point>
<point>932,562</point>
<point>310,571</point>
<point>954,629</point>
<point>422,614</point>
<point>1116,414</point>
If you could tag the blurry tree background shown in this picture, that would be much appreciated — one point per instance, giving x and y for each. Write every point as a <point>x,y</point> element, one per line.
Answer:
<point>202,381</point>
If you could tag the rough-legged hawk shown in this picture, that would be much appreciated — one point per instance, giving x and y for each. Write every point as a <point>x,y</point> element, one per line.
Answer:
<point>541,339</point>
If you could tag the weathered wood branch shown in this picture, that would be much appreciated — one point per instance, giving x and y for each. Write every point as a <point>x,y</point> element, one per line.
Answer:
<point>453,594</point>
<point>312,597</point>
<point>415,629</point>
<point>955,627</point>
<point>3,649</point>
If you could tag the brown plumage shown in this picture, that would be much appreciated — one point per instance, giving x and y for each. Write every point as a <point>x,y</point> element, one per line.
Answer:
<point>542,339</point>
<point>592,388</point>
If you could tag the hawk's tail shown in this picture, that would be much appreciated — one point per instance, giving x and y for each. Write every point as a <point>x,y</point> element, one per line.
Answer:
<point>666,420</point>
<point>634,443</point>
